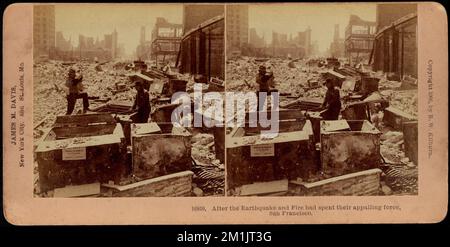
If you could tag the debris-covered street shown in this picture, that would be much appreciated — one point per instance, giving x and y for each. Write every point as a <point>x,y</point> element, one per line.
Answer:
<point>100,82</point>
<point>104,122</point>
<point>102,107</point>
<point>292,79</point>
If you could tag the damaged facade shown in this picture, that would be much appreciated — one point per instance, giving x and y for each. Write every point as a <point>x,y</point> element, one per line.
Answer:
<point>395,49</point>
<point>202,49</point>
<point>359,37</point>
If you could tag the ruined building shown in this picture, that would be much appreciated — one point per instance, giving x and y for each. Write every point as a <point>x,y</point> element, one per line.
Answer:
<point>202,49</point>
<point>337,46</point>
<point>195,14</point>
<point>43,30</point>
<point>359,36</point>
<point>165,40</point>
<point>237,27</point>
<point>395,48</point>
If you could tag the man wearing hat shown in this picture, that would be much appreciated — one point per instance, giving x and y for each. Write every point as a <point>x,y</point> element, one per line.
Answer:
<point>75,91</point>
<point>141,103</point>
<point>332,102</point>
<point>262,79</point>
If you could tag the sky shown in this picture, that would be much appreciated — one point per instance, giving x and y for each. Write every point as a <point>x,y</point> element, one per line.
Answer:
<point>294,17</point>
<point>94,20</point>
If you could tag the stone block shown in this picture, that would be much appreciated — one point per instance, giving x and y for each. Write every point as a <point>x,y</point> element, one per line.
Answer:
<point>172,185</point>
<point>159,149</point>
<point>349,150</point>
<point>361,183</point>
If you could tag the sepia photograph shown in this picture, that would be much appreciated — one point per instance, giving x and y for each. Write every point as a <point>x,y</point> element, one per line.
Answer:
<point>225,113</point>
<point>337,86</point>
<point>104,76</point>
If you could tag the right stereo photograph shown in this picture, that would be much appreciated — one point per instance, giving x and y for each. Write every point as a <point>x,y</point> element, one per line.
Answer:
<point>324,99</point>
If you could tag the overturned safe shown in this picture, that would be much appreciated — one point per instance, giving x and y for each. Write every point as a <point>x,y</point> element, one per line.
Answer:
<point>81,149</point>
<point>251,158</point>
<point>348,146</point>
<point>160,149</point>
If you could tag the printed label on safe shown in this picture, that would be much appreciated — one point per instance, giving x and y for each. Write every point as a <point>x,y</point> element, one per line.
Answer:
<point>262,150</point>
<point>78,153</point>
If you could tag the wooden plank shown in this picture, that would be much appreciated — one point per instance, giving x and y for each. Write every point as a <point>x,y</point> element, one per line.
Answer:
<point>236,140</point>
<point>51,144</point>
<point>334,125</point>
<point>145,128</point>
<point>40,122</point>
<point>264,187</point>
<point>84,119</point>
<point>77,190</point>
<point>284,114</point>
<point>84,131</point>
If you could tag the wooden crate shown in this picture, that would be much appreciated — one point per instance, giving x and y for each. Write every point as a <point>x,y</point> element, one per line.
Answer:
<point>159,149</point>
<point>81,149</point>
<point>395,118</point>
<point>252,159</point>
<point>121,110</point>
<point>348,146</point>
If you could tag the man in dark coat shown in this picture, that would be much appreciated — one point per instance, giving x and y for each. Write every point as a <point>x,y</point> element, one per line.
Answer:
<point>141,104</point>
<point>262,79</point>
<point>332,102</point>
<point>75,91</point>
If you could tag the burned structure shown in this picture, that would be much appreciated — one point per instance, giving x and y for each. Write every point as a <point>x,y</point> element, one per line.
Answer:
<point>359,37</point>
<point>237,26</point>
<point>166,38</point>
<point>395,49</point>
<point>43,30</point>
<point>202,49</point>
<point>337,46</point>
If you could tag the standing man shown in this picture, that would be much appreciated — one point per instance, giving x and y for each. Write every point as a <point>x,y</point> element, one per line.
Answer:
<point>75,91</point>
<point>262,79</point>
<point>332,102</point>
<point>166,69</point>
<point>141,103</point>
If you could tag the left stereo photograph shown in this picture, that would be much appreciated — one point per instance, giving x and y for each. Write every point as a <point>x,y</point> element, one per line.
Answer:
<point>114,101</point>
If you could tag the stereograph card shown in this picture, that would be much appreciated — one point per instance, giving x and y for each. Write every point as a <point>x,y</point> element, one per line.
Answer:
<point>259,113</point>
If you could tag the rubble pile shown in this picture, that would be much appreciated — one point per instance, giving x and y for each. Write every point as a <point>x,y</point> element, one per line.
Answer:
<point>288,80</point>
<point>50,95</point>
<point>296,79</point>
<point>209,172</point>
<point>241,74</point>
<point>101,81</point>
<point>400,173</point>
<point>406,101</point>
